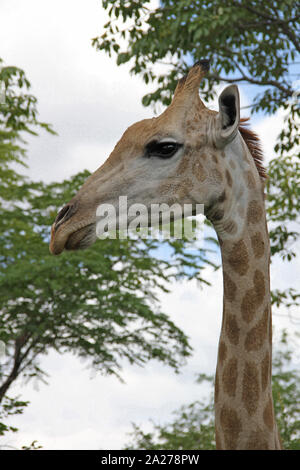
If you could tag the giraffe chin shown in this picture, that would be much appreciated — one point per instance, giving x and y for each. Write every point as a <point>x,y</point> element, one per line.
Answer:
<point>77,240</point>
<point>82,238</point>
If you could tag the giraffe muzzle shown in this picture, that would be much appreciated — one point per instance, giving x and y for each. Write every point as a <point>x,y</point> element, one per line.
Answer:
<point>68,232</point>
<point>65,214</point>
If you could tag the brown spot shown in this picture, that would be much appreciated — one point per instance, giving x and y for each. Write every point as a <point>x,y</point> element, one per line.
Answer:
<point>248,306</point>
<point>198,148</point>
<point>258,334</point>
<point>214,158</point>
<point>228,178</point>
<point>255,212</point>
<point>232,329</point>
<point>257,441</point>
<point>167,187</point>
<point>258,245</point>
<point>231,426</point>
<point>265,371</point>
<point>175,189</point>
<point>268,415</point>
<point>201,138</point>
<point>229,288</point>
<point>229,377</point>
<point>184,164</point>
<point>250,393</point>
<point>250,181</point>
<point>184,188</point>
<point>198,170</point>
<point>191,128</point>
<point>238,258</point>
<point>222,352</point>
<point>259,286</point>
<point>254,297</point>
<point>216,175</point>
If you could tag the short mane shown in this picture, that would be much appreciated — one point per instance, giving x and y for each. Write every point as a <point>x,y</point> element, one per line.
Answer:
<point>253,143</point>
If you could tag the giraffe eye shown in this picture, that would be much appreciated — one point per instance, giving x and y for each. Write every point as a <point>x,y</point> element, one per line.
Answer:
<point>162,149</point>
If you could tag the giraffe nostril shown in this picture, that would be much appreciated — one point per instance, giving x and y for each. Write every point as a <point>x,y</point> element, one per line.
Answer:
<point>64,214</point>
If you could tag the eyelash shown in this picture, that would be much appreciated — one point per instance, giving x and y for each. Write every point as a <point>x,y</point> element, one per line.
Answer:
<point>155,149</point>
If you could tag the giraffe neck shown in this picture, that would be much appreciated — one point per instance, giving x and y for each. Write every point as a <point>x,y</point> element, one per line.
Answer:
<point>243,392</point>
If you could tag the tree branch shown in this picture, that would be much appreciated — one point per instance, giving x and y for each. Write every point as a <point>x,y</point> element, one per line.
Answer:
<point>290,34</point>
<point>19,343</point>
<point>271,20</point>
<point>287,91</point>
<point>256,12</point>
<point>229,54</point>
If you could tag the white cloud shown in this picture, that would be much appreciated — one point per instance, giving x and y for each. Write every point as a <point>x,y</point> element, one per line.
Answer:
<point>81,92</point>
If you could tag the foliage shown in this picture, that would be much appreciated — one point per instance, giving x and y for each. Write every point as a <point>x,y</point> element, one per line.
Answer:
<point>9,407</point>
<point>101,304</point>
<point>193,426</point>
<point>286,393</point>
<point>18,117</point>
<point>283,204</point>
<point>33,446</point>
<point>246,41</point>
<point>283,209</point>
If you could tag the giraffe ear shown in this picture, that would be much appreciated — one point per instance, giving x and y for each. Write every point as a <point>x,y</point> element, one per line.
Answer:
<point>229,115</point>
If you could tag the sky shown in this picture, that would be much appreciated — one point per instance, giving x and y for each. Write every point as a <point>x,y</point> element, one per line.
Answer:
<point>90,102</point>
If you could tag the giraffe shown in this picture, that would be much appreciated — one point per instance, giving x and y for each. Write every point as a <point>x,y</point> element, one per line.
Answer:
<point>191,154</point>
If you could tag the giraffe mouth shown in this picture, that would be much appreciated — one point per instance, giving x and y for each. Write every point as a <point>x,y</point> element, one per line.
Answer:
<point>78,239</point>
<point>82,238</point>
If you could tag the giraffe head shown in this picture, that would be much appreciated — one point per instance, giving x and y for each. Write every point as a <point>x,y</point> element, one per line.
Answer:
<point>177,157</point>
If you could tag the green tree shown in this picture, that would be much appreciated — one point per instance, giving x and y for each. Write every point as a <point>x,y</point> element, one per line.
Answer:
<point>193,425</point>
<point>252,42</point>
<point>286,393</point>
<point>18,117</point>
<point>101,304</point>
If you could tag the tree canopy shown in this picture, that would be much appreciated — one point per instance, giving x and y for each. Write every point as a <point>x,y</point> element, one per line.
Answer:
<point>253,42</point>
